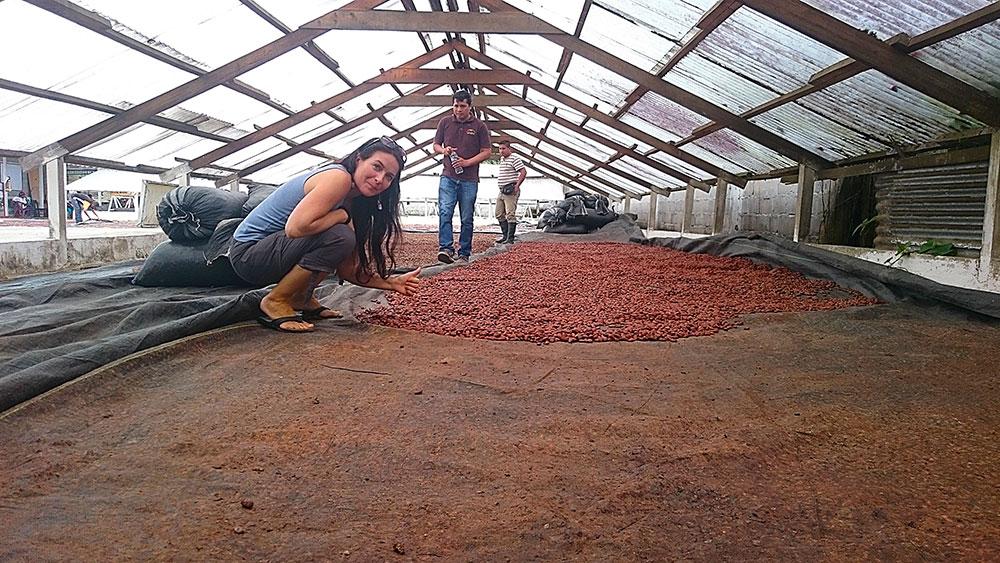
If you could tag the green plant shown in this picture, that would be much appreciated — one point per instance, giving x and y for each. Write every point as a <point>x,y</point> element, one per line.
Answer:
<point>931,247</point>
<point>864,225</point>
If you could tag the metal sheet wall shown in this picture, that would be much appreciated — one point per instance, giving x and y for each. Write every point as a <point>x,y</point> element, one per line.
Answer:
<point>944,204</point>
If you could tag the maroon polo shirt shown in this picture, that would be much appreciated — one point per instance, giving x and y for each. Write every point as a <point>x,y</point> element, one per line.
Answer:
<point>468,137</point>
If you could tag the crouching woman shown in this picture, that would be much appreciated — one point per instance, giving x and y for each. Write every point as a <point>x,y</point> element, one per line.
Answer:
<point>341,218</point>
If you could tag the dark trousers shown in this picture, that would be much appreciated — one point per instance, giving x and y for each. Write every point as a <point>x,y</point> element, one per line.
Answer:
<point>266,261</point>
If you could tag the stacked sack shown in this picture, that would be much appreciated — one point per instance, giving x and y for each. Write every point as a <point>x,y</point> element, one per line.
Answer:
<point>578,213</point>
<point>200,223</point>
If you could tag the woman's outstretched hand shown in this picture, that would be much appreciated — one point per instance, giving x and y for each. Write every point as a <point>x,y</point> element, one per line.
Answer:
<point>407,283</point>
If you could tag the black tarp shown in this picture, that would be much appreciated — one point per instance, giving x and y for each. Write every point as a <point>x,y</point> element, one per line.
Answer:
<point>56,327</point>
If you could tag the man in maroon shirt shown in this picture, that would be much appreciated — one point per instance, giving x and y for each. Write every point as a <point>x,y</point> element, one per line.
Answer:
<point>465,142</point>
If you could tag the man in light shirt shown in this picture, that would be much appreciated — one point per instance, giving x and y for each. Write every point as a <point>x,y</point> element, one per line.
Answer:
<point>511,175</point>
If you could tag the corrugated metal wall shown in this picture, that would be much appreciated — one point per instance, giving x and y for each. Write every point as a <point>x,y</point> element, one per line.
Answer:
<point>945,204</point>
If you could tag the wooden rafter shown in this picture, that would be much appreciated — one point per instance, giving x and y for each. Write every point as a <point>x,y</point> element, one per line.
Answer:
<point>573,103</point>
<point>94,22</point>
<point>292,120</point>
<point>897,65</point>
<point>847,68</point>
<point>164,122</point>
<point>186,91</point>
<point>706,25</point>
<point>310,47</point>
<point>679,95</point>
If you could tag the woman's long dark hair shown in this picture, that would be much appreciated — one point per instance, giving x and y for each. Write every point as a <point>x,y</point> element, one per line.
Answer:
<point>377,231</point>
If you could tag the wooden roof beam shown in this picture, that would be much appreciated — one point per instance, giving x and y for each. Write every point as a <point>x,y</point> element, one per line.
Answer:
<point>847,68</point>
<point>186,91</point>
<point>665,147</point>
<point>163,122</point>
<point>94,22</point>
<point>706,25</point>
<point>291,120</point>
<point>655,84</point>
<point>897,65</point>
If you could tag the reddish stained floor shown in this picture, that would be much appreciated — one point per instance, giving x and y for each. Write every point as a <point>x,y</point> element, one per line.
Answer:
<point>858,434</point>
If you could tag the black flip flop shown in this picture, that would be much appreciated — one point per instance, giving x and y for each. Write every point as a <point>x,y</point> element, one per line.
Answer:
<point>317,314</point>
<point>275,324</point>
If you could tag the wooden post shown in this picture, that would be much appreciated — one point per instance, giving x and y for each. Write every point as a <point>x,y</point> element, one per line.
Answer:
<point>688,209</point>
<point>627,205</point>
<point>55,199</point>
<point>719,218</point>
<point>989,256</point>
<point>652,222</point>
<point>234,186</point>
<point>804,202</point>
<point>184,180</point>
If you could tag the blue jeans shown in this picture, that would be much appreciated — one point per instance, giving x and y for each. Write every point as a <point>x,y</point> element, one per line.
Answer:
<point>450,191</point>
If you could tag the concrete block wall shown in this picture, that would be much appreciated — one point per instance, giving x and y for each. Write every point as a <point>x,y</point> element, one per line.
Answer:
<point>766,205</point>
<point>31,257</point>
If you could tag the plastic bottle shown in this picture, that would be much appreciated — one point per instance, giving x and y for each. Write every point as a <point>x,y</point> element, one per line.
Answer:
<point>454,157</point>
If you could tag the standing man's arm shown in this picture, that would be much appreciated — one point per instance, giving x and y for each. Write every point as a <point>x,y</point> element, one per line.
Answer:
<point>521,176</point>
<point>439,146</point>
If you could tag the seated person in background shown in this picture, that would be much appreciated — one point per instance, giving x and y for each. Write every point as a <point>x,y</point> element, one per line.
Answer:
<point>341,218</point>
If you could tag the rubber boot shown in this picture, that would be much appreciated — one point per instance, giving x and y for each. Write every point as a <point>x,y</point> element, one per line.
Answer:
<point>511,227</point>
<point>503,229</point>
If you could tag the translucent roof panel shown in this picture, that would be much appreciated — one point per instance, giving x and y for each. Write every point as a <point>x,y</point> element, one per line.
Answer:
<point>671,21</point>
<point>382,49</point>
<point>743,152</point>
<point>952,56</point>
<point>312,80</point>
<point>671,118</point>
<point>646,172</point>
<point>527,53</point>
<point>578,142</point>
<point>889,17</point>
<point>627,39</point>
<point>294,14</point>
<point>200,30</point>
<point>892,112</point>
<point>832,138</point>
<point>26,122</point>
<point>607,87</point>
<point>233,107</point>
<point>72,60</point>
<point>563,14</point>
<point>741,54</point>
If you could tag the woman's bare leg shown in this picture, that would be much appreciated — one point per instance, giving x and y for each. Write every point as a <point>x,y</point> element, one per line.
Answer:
<point>289,292</point>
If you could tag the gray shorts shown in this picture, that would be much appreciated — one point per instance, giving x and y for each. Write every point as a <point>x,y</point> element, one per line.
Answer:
<point>266,261</point>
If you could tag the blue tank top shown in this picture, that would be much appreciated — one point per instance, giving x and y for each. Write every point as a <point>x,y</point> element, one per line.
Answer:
<point>272,213</point>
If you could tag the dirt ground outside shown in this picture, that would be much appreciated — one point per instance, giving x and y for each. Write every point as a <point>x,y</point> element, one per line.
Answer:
<point>859,434</point>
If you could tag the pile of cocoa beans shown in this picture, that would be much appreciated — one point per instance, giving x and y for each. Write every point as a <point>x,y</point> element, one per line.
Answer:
<point>598,292</point>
